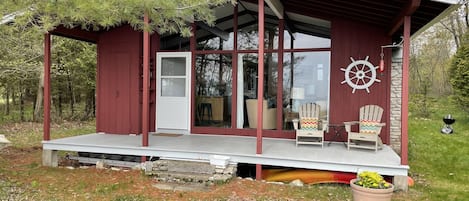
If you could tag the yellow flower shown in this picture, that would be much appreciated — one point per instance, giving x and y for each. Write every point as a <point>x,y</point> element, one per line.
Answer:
<point>369,179</point>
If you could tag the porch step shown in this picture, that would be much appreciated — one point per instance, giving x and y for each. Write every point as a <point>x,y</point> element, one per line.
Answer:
<point>181,177</point>
<point>177,171</point>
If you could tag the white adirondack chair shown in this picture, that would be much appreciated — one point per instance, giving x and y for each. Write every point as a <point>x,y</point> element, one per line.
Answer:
<point>370,126</point>
<point>311,128</point>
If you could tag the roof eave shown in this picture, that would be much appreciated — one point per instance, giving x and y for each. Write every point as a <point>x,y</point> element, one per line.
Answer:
<point>438,18</point>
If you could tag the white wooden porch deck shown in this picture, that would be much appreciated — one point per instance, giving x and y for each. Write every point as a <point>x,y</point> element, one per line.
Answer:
<point>276,152</point>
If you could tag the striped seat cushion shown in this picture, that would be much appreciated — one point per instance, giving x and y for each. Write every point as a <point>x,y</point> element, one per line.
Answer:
<point>369,127</point>
<point>309,123</point>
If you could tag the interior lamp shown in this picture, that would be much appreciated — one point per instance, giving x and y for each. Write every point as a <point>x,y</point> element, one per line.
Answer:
<point>297,94</point>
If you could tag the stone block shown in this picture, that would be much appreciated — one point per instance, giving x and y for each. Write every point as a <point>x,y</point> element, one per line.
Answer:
<point>50,158</point>
<point>400,182</point>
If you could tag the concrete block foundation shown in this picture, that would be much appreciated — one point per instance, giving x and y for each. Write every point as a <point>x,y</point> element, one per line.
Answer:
<point>50,158</point>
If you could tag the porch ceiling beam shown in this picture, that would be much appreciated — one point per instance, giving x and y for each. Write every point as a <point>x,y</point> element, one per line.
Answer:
<point>215,30</point>
<point>279,10</point>
<point>76,33</point>
<point>277,7</point>
<point>289,27</point>
<point>409,9</point>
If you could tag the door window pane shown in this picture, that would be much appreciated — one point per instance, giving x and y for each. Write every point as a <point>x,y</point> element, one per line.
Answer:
<point>173,87</point>
<point>173,66</point>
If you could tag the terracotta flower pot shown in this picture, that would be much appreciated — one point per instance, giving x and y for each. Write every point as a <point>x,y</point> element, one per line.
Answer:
<point>360,193</point>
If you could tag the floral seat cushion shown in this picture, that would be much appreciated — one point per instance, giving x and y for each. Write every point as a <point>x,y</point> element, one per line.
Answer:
<point>309,123</point>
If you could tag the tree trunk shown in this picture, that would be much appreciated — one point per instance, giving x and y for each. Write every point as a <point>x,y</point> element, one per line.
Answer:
<point>59,105</point>
<point>7,108</point>
<point>94,102</point>
<point>13,97</point>
<point>72,95</point>
<point>21,102</point>
<point>89,105</point>
<point>466,13</point>
<point>454,32</point>
<point>39,98</point>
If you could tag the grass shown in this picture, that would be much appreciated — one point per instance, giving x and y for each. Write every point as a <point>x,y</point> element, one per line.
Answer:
<point>29,134</point>
<point>438,164</point>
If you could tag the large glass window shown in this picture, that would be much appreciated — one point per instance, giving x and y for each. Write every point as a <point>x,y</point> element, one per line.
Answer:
<point>306,68</point>
<point>174,42</point>
<point>213,42</point>
<point>213,89</point>
<point>248,85</point>
<point>248,37</point>
<point>306,80</point>
<point>220,36</point>
<point>302,41</point>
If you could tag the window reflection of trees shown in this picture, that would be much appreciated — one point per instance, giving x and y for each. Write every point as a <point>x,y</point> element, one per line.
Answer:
<point>302,64</point>
<point>213,75</point>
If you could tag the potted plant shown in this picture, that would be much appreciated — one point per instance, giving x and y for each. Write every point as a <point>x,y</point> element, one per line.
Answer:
<point>371,186</point>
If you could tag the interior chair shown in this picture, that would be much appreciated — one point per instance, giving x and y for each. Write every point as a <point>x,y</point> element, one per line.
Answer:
<point>311,129</point>
<point>369,129</point>
<point>269,120</point>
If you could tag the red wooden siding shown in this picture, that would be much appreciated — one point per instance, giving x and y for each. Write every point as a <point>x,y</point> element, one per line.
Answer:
<point>118,97</point>
<point>352,39</point>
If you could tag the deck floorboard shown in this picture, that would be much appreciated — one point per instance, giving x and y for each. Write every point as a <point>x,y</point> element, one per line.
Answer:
<point>277,152</point>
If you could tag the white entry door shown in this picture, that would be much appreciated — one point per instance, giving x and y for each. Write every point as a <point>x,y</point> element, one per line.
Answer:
<point>173,92</point>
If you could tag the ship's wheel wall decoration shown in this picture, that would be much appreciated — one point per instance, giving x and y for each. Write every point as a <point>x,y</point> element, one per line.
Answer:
<point>360,74</point>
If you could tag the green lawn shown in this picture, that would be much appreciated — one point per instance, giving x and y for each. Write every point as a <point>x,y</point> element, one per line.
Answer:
<point>439,163</point>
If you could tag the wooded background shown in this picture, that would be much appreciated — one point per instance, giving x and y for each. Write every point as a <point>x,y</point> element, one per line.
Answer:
<point>24,23</point>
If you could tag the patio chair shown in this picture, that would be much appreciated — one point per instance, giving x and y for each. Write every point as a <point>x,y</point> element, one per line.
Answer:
<point>269,120</point>
<point>370,126</point>
<point>311,128</point>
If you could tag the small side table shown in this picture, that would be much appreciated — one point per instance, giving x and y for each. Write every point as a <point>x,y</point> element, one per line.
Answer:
<point>338,129</point>
<point>289,116</point>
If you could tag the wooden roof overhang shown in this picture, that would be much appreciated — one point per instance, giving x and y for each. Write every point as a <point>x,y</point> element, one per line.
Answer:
<point>388,14</point>
<point>313,16</point>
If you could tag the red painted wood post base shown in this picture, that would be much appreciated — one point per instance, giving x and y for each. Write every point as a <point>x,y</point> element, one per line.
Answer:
<point>258,172</point>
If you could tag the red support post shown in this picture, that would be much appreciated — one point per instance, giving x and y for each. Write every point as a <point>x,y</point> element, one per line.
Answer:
<point>146,82</point>
<point>47,63</point>
<point>405,92</point>
<point>281,28</point>
<point>193,48</point>
<point>260,86</point>
<point>234,91</point>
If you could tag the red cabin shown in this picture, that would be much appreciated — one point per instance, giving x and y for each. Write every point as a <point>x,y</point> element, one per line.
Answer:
<point>199,86</point>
